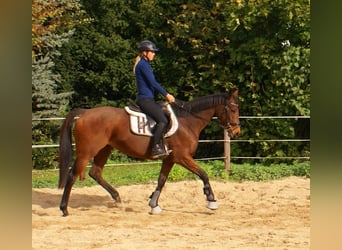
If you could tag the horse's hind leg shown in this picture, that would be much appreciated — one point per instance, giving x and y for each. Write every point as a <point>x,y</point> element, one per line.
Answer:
<point>96,172</point>
<point>77,169</point>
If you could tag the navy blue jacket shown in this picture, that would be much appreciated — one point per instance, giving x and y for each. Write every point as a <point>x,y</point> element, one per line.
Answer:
<point>146,82</point>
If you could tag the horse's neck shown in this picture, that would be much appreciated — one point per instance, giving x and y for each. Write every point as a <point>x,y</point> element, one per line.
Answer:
<point>199,120</point>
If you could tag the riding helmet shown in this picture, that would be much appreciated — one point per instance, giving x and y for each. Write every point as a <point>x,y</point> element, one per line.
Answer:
<point>148,46</point>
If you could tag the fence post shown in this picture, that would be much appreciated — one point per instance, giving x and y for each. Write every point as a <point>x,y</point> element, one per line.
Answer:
<point>226,139</point>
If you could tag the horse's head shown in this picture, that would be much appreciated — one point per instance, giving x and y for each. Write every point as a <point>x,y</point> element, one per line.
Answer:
<point>229,115</point>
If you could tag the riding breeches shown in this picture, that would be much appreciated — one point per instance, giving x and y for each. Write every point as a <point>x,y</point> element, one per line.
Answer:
<point>152,109</point>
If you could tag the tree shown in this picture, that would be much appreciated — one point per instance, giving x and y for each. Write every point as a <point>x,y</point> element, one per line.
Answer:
<point>269,54</point>
<point>97,62</point>
<point>263,47</point>
<point>52,23</point>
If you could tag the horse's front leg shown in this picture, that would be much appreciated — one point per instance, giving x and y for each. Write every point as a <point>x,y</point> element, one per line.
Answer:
<point>164,173</point>
<point>212,203</point>
<point>191,165</point>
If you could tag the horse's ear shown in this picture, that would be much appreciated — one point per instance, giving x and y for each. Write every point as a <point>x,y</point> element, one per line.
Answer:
<point>234,92</point>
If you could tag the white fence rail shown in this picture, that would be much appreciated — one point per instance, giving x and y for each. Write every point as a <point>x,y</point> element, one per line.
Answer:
<point>227,142</point>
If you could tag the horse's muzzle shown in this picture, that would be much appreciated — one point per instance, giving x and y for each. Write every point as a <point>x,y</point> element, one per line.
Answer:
<point>233,130</point>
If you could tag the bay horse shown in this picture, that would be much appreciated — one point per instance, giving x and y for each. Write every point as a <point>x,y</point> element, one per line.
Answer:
<point>98,130</point>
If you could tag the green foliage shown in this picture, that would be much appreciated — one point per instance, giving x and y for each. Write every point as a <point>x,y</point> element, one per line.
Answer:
<point>97,62</point>
<point>44,133</point>
<point>301,169</point>
<point>47,98</point>
<point>44,158</point>
<point>142,174</point>
<point>44,178</point>
<point>52,25</point>
<point>274,171</point>
<point>47,101</point>
<point>179,173</point>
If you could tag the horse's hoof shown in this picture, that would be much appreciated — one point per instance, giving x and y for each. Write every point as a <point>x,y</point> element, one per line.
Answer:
<point>212,205</point>
<point>64,210</point>
<point>156,210</point>
<point>65,213</point>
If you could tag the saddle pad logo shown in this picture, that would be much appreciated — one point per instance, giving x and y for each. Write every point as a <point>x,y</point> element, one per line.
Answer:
<point>141,124</point>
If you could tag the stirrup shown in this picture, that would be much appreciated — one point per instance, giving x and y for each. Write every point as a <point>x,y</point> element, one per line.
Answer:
<point>160,151</point>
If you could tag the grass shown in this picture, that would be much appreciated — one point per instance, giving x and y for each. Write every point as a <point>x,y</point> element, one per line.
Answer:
<point>146,173</point>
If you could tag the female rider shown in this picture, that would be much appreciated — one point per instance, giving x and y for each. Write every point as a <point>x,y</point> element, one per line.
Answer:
<point>147,87</point>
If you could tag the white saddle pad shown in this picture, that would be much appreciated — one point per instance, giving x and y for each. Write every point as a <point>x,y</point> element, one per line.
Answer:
<point>141,124</point>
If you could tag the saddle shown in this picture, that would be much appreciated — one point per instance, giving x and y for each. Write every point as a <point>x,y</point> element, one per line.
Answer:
<point>142,124</point>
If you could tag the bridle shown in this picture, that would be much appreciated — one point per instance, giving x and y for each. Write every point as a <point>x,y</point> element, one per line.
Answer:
<point>227,107</point>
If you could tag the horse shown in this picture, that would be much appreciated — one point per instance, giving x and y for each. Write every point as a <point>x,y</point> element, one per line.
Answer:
<point>97,131</point>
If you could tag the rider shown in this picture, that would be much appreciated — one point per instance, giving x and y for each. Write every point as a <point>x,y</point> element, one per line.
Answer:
<point>147,86</point>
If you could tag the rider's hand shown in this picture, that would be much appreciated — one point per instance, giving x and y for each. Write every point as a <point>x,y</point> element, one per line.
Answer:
<point>170,98</point>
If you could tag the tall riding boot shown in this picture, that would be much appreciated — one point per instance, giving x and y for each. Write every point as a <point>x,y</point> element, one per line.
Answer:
<point>158,148</point>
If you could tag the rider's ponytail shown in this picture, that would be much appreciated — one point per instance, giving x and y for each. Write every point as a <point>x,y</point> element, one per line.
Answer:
<point>136,60</point>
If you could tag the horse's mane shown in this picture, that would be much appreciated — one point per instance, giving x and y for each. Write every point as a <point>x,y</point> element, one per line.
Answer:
<point>182,108</point>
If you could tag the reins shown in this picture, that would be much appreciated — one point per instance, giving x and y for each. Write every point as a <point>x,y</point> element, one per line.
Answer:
<point>180,105</point>
<point>188,109</point>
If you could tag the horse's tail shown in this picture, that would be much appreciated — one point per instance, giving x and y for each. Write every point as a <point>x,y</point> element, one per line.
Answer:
<point>65,145</point>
